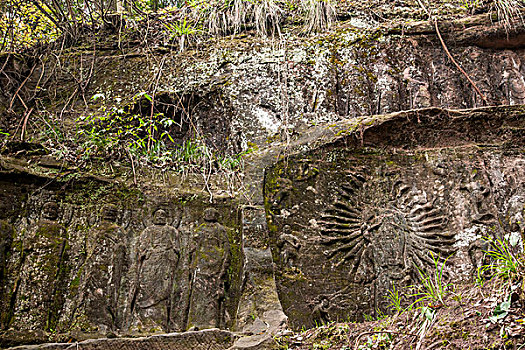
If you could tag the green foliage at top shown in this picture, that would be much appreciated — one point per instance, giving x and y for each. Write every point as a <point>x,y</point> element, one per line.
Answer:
<point>25,23</point>
<point>116,134</point>
<point>22,25</point>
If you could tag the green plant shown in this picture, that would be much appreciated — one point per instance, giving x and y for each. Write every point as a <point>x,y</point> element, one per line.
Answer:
<point>180,28</point>
<point>433,289</point>
<point>368,318</point>
<point>470,5</point>
<point>394,299</point>
<point>501,310</point>
<point>504,263</point>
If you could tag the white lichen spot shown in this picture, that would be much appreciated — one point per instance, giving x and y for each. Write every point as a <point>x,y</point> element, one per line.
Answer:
<point>465,237</point>
<point>266,119</point>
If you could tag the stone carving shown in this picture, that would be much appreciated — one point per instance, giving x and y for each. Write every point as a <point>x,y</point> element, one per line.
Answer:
<point>155,288</point>
<point>209,282</point>
<point>512,82</point>
<point>289,246</point>
<point>480,212</point>
<point>105,266</point>
<point>7,235</point>
<point>383,244</point>
<point>43,268</point>
<point>320,313</point>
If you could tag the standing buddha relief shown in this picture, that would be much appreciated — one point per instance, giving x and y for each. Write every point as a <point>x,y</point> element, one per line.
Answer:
<point>103,272</point>
<point>210,263</point>
<point>155,291</point>
<point>43,268</point>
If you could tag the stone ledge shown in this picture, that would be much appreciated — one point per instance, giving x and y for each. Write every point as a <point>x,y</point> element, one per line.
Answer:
<point>210,339</point>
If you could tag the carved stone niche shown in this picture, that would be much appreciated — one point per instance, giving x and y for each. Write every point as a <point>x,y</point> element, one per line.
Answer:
<point>374,213</point>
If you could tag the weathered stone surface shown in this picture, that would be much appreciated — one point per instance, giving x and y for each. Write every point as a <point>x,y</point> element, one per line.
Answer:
<point>79,263</point>
<point>351,208</point>
<point>42,268</point>
<point>210,262</point>
<point>230,85</point>
<point>364,212</point>
<point>156,288</point>
<point>103,272</point>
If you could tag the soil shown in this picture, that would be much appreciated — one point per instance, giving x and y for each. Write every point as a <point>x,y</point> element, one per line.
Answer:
<point>461,322</point>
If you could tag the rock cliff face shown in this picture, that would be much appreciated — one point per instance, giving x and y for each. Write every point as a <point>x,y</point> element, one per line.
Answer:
<point>90,258</point>
<point>335,208</point>
<point>355,218</point>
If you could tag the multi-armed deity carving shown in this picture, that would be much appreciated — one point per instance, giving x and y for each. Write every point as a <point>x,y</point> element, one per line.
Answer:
<point>383,243</point>
<point>209,270</point>
<point>156,289</point>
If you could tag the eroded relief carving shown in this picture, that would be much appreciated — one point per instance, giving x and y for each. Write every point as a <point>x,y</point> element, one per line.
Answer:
<point>383,243</point>
<point>42,268</point>
<point>209,270</point>
<point>71,266</point>
<point>7,233</point>
<point>289,246</point>
<point>7,237</point>
<point>155,289</point>
<point>104,269</point>
<point>512,83</point>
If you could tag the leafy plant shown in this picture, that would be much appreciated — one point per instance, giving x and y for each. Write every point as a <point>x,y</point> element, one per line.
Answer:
<point>180,28</point>
<point>470,5</point>
<point>433,289</point>
<point>501,310</point>
<point>504,263</point>
<point>394,299</point>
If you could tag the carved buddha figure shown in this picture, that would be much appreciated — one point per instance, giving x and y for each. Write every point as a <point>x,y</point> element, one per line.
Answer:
<point>156,290</point>
<point>103,272</point>
<point>43,269</point>
<point>210,263</point>
<point>7,235</point>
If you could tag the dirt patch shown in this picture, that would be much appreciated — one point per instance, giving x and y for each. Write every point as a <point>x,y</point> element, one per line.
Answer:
<point>461,323</point>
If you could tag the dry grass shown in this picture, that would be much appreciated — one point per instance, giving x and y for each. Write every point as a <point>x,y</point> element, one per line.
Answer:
<point>509,12</point>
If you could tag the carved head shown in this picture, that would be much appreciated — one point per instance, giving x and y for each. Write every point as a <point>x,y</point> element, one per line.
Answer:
<point>211,215</point>
<point>109,213</point>
<point>160,217</point>
<point>50,211</point>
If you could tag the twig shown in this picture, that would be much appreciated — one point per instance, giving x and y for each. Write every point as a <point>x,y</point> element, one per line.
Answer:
<point>457,65</point>
<point>5,63</point>
<point>150,137</point>
<point>39,79</point>
<point>132,167</point>
<point>67,104</point>
<point>433,19</point>
<point>356,345</point>
<point>19,88</point>
<point>22,133</point>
